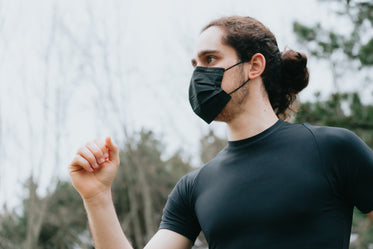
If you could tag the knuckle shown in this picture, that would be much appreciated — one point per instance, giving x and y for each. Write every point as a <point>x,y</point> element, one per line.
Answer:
<point>94,148</point>
<point>89,144</point>
<point>86,164</point>
<point>97,149</point>
<point>81,150</point>
<point>100,146</point>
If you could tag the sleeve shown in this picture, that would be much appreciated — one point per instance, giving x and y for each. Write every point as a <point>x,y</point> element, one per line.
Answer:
<point>178,213</point>
<point>351,162</point>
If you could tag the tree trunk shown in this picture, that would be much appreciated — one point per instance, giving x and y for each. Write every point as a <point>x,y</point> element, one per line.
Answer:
<point>134,218</point>
<point>35,217</point>
<point>147,201</point>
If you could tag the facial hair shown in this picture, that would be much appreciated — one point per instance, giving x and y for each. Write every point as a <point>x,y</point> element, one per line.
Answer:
<point>236,105</point>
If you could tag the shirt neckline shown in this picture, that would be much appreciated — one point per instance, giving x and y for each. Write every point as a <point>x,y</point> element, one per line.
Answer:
<point>257,137</point>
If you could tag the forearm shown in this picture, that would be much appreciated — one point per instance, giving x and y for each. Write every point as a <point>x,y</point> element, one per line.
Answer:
<point>104,224</point>
<point>370,215</point>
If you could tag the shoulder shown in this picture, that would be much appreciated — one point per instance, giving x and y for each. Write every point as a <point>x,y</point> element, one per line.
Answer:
<point>336,135</point>
<point>335,138</point>
<point>327,130</point>
<point>185,186</point>
<point>189,179</point>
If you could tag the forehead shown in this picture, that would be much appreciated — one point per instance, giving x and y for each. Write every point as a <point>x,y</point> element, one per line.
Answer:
<point>211,39</point>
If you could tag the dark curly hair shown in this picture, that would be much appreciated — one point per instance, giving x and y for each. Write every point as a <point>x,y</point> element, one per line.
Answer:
<point>285,74</point>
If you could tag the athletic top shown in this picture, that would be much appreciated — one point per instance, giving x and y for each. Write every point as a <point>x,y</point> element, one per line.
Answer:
<point>292,186</point>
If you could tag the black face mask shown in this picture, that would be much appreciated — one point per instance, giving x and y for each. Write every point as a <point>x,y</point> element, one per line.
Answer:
<point>206,96</point>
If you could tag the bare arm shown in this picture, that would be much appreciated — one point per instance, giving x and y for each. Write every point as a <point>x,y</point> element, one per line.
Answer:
<point>167,239</point>
<point>104,224</point>
<point>92,172</point>
<point>107,232</point>
<point>370,215</point>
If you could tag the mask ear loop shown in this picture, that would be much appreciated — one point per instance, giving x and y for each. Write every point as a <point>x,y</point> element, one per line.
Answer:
<point>239,86</point>
<point>233,65</point>
<point>242,83</point>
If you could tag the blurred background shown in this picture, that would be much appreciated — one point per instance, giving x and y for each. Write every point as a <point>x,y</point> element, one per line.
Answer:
<point>71,71</point>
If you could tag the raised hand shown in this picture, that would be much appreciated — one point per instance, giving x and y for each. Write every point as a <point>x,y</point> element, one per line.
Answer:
<point>93,168</point>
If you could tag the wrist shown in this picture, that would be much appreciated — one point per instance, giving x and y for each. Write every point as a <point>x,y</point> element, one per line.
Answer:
<point>99,199</point>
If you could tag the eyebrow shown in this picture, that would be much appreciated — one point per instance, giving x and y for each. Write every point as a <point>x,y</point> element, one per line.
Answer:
<point>204,52</point>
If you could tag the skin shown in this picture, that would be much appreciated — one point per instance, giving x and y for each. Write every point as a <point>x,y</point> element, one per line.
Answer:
<point>248,113</point>
<point>370,215</point>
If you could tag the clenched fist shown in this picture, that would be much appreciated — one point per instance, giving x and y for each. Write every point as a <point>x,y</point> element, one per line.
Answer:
<point>93,168</point>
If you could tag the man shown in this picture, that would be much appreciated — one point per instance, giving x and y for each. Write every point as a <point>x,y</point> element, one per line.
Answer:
<point>276,184</point>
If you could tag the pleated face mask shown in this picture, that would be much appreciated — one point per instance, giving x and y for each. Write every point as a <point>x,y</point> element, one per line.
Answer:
<point>206,96</point>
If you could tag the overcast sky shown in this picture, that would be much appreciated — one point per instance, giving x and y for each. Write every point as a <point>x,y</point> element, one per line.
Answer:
<point>74,70</point>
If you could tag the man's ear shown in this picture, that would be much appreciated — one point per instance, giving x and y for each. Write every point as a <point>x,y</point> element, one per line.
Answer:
<point>256,66</point>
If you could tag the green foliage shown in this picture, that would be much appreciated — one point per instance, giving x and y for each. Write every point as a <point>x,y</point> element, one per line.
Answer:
<point>366,53</point>
<point>354,116</point>
<point>306,34</point>
<point>322,42</point>
<point>210,146</point>
<point>142,184</point>
<point>143,178</point>
<point>362,226</point>
<point>63,222</point>
<point>12,229</point>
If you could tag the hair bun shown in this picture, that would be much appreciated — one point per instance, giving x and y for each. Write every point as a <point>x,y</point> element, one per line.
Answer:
<point>294,71</point>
